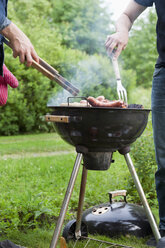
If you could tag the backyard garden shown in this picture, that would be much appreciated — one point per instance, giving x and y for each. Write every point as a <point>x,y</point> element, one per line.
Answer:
<point>35,162</point>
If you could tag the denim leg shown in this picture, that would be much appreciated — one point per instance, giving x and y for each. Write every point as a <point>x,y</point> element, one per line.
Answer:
<point>158,121</point>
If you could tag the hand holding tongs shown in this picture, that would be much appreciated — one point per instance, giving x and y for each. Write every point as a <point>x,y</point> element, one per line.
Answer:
<point>51,73</point>
<point>121,91</point>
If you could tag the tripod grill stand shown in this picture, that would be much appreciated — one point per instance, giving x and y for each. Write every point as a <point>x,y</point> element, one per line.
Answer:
<point>69,190</point>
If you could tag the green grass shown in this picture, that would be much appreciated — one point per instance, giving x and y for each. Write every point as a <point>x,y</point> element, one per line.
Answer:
<point>41,239</point>
<point>32,189</point>
<point>128,241</point>
<point>36,143</point>
<point>43,181</point>
<point>38,238</point>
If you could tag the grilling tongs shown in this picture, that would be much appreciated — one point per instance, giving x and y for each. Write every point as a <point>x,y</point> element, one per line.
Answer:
<point>51,73</point>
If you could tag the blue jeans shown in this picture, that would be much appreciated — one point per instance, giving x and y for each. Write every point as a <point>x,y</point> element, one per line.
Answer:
<point>158,121</point>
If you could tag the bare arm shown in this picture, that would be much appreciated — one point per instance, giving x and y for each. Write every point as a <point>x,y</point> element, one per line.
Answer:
<point>119,39</point>
<point>20,44</point>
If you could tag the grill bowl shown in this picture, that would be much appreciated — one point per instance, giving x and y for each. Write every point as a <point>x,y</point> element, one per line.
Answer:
<point>100,129</point>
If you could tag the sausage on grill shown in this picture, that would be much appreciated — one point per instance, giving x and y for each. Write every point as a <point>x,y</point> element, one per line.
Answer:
<point>102,102</point>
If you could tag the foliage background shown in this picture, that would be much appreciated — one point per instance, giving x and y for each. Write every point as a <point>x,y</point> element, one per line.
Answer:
<point>70,36</point>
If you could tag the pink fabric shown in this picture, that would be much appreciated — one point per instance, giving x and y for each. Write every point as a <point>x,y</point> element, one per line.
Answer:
<point>8,78</point>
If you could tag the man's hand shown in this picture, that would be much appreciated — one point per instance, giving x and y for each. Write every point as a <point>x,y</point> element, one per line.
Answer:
<point>117,41</point>
<point>23,48</point>
<point>20,44</point>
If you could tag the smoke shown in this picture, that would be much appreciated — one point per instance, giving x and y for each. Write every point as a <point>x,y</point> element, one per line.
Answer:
<point>90,75</point>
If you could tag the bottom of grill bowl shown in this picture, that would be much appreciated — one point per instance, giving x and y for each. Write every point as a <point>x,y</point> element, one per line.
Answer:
<point>97,160</point>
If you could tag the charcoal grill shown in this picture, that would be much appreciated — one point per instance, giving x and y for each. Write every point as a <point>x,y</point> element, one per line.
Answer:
<point>96,133</point>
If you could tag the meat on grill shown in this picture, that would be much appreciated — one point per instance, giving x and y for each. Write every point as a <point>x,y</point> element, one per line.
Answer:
<point>100,101</point>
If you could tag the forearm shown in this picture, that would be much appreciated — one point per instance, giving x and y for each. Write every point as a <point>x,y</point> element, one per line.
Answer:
<point>123,24</point>
<point>126,20</point>
<point>20,44</point>
<point>12,32</point>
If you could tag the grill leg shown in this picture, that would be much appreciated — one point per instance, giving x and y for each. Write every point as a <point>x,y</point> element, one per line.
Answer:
<point>66,201</point>
<point>142,196</point>
<point>81,202</point>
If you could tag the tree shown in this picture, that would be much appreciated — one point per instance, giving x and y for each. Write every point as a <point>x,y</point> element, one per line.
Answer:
<point>140,54</point>
<point>83,24</point>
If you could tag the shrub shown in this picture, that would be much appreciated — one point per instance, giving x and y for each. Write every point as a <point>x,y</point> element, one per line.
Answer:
<point>144,161</point>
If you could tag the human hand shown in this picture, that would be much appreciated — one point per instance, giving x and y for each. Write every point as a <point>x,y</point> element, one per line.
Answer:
<point>118,42</point>
<point>20,44</point>
<point>7,78</point>
<point>23,49</point>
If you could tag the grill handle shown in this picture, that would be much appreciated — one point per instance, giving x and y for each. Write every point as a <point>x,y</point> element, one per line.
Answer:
<point>117,193</point>
<point>63,118</point>
<point>57,118</point>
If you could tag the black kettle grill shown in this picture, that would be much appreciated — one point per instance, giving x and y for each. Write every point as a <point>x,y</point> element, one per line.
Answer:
<point>96,132</point>
<point>101,131</point>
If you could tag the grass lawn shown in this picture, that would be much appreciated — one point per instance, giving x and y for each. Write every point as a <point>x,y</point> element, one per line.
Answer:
<point>36,143</point>
<point>32,188</point>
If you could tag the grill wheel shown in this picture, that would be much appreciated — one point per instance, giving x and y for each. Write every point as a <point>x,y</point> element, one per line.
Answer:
<point>69,230</point>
